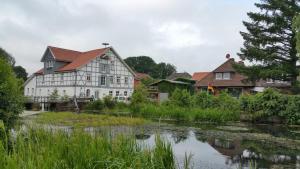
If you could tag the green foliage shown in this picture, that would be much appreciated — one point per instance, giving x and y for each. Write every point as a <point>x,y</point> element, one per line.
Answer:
<point>7,57</point>
<point>226,102</point>
<point>270,42</point>
<point>95,106</point>
<point>145,64</point>
<point>37,149</point>
<point>140,95</point>
<point>272,103</point>
<point>11,97</point>
<point>109,102</point>
<point>3,136</point>
<point>181,98</point>
<point>20,72</point>
<point>54,95</point>
<point>204,100</point>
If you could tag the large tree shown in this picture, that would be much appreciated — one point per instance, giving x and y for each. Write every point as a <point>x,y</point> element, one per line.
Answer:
<point>270,43</point>
<point>18,70</point>
<point>145,64</point>
<point>11,98</point>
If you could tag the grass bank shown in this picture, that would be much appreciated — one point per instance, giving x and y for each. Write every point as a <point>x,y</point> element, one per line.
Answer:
<point>36,149</point>
<point>184,114</point>
<point>86,120</point>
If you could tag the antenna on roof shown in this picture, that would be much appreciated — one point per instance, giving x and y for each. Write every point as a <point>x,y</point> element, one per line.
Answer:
<point>105,44</point>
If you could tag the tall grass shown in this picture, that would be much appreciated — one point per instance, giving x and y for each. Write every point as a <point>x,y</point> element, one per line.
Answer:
<point>86,120</point>
<point>192,114</point>
<point>40,149</point>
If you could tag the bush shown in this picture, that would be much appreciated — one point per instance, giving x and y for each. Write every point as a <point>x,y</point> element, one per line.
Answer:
<point>226,102</point>
<point>204,100</point>
<point>181,98</point>
<point>109,102</point>
<point>292,111</point>
<point>140,95</point>
<point>95,106</point>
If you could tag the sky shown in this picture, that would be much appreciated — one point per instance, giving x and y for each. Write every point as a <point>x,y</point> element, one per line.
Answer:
<point>193,35</point>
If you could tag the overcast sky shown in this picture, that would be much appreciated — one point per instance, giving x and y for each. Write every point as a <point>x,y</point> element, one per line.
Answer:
<point>194,35</point>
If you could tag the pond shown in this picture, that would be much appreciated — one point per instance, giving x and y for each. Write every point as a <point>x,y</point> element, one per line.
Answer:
<point>220,147</point>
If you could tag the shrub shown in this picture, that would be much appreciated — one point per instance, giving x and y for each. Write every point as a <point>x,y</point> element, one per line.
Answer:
<point>140,95</point>
<point>272,102</point>
<point>226,102</point>
<point>95,106</point>
<point>181,98</point>
<point>292,111</point>
<point>203,100</point>
<point>109,102</point>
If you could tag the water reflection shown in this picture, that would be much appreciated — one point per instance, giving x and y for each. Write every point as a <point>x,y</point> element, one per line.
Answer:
<point>210,149</point>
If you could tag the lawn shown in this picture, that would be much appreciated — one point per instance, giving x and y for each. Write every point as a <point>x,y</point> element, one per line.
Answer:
<point>86,120</point>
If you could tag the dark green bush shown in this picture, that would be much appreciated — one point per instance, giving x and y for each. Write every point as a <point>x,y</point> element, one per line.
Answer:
<point>95,106</point>
<point>181,98</point>
<point>109,102</point>
<point>292,111</point>
<point>204,100</point>
<point>226,102</point>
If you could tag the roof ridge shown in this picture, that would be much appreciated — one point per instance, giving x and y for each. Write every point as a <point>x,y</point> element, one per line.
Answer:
<point>64,49</point>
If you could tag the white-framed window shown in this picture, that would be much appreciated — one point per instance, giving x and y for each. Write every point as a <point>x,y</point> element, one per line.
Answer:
<point>110,93</point>
<point>125,93</point>
<point>118,80</point>
<point>226,76</point>
<point>117,93</point>
<point>111,79</point>
<point>219,76</point>
<point>49,64</point>
<point>62,77</point>
<point>43,79</point>
<point>126,80</point>
<point>223,76</point>
<point>103,80</point>
<point>28,92</point>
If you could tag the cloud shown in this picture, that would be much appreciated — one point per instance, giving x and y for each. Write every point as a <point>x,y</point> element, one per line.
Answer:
<point>193,35</point>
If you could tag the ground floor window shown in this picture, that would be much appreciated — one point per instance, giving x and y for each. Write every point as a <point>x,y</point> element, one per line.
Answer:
<point>117,93</point>
<point>88,92</point>
<point>97,94</point>
<point>110,93</point>
<point>125,93</point>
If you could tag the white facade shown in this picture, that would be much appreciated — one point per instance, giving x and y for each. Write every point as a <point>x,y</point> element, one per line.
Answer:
<point>100,77</point>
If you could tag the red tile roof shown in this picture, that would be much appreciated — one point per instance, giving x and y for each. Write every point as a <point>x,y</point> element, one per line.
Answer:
<point>199,75</point>
<point>83,59</point>
<point>64,54</point>
<point>76,59</point>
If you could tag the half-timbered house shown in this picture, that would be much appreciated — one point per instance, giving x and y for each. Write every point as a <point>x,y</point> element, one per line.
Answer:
<point>91,74</point>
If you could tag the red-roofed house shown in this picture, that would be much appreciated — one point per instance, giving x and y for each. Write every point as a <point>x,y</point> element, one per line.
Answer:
<point>93,74</point>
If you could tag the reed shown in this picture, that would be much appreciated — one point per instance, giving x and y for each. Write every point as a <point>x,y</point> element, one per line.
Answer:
<point>41,149</point>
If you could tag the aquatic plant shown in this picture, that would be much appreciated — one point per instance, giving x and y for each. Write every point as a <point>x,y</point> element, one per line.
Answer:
<point>38,148</point>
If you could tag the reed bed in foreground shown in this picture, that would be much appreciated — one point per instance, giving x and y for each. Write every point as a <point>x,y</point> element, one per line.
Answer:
<point>40,149</point>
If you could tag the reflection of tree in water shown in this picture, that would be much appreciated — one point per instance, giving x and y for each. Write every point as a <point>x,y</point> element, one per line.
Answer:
<point>264,155</point>
<point>179,135</point>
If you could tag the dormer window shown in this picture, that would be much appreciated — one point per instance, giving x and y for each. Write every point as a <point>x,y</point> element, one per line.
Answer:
<point>49,64</point>
<point>223,76</point>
